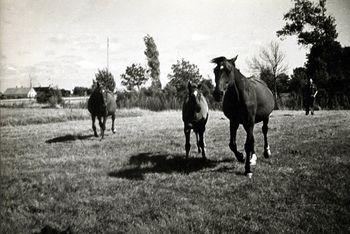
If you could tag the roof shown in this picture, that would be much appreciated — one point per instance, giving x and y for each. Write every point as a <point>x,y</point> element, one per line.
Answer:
<point>17,91</point>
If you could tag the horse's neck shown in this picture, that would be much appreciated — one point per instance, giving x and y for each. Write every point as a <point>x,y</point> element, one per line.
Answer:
<point>236,83</point>
<point>239,78</point>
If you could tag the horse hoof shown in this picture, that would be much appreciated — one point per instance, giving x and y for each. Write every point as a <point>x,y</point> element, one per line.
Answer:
<point>253,160</point>
<point>240,157</point>
<point>249,175</point>
<point>267,153</point>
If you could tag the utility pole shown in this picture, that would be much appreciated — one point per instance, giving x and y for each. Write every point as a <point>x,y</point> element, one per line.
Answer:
<point>107,53</point>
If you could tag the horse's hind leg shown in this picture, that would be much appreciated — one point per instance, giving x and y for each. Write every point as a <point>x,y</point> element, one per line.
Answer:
<point>187,131</point>
<point>232,145</point>
<point>113,118</point>
<point>102,124</point>
<point>265,128</point>
<point>93,118</point>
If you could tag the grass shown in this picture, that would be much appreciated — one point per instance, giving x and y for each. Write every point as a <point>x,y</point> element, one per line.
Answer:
<point>138,181</point>
<point>28,116</point>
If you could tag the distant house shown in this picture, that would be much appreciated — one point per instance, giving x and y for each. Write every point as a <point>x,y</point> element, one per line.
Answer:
<point>21,92</point>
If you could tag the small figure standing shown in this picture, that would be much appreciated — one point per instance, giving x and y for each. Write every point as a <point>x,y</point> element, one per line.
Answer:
<point>195,116</point>
<point>311,93</point>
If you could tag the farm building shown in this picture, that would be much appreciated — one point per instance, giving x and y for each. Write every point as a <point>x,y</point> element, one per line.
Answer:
<point>21,92</point>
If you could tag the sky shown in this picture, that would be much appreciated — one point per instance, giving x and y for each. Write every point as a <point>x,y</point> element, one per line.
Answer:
<point>63,42</point>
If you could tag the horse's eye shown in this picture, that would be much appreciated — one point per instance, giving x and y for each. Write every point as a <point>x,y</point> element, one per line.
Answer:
<point>221,67</point>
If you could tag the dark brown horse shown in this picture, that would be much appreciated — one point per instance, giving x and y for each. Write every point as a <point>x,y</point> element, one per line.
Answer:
<point>101,104</point>
<point>246,101</point>
<point>195,116</point>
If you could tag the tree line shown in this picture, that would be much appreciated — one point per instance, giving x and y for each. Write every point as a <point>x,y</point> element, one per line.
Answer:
<point>327,64</point>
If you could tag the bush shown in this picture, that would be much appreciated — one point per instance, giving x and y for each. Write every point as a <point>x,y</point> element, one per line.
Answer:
<point>53,97</point>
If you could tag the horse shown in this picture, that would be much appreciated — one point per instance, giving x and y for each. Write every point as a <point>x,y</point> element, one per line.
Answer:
<point>101,104</point>
<point>195,116</point>
<point>246,101</point>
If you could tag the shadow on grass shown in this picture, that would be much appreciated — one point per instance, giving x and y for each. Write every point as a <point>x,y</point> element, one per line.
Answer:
<point>68,137</point>
<point>144,163</point>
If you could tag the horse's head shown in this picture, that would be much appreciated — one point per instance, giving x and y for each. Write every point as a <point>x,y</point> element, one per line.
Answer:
<point>194,96</point>
<point>222,71</point>
<point>99,95</point>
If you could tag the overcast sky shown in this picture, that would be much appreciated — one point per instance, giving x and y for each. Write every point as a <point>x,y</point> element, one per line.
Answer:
<point>63,42</point>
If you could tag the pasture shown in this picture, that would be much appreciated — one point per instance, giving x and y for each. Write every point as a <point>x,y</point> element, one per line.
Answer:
<point>138,180</point>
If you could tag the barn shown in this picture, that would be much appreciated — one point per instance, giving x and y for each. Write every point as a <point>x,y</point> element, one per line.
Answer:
<point>21,92</point>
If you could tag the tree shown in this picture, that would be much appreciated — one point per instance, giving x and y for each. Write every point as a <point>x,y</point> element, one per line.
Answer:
<point>182,72</point>
<point>270,58</point>
<point>106,79</point>
<point>152,54</point>
<point>298,80</point>
<point>267,76</point>
<point>308,20</point>
<point>326,59</point>
<point>81,91</point>
<point>283,81</point>
<point>135,76</point>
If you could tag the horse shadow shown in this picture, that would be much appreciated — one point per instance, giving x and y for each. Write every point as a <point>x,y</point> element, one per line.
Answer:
<point>68,137</point>
<point>145,163</point>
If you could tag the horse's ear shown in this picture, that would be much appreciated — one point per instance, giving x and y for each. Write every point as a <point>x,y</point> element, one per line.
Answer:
<point>189,86</point>
<point>233,60</point>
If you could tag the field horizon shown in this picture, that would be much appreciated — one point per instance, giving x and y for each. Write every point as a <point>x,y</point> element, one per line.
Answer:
<point>138,180</point>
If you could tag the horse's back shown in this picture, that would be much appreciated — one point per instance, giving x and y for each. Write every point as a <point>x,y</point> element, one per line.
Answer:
<point>111,103</point>
<point>204,108</point>
<point>264,99</point>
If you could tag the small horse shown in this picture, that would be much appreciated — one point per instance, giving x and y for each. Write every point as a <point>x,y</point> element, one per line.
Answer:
<point>246,101</point>
<point>195,116</point>
<point>101,104</point>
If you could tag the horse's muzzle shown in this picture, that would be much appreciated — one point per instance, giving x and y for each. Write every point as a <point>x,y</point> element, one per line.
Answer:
<point>217,94</point>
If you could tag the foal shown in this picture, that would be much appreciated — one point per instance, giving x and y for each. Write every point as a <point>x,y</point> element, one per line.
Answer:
<point>195,116</point>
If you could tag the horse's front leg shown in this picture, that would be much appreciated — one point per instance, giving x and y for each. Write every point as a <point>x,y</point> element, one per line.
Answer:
<point>93,118</point>
<point>233,132</point>
<point>197,140</point>
<point>187,131</point>
<point>201,142</point>
<point>113,118</point>
<point>249,149</point>
<point>102,123</point>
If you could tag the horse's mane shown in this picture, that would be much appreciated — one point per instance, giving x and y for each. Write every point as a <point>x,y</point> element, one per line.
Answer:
<point>218,59</point>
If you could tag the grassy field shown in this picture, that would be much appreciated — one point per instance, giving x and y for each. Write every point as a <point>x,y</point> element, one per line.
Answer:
<point>138,181</point>
<point>27,116</point>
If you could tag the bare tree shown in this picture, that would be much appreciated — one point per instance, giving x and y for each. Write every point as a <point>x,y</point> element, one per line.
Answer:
<point>270,58</point>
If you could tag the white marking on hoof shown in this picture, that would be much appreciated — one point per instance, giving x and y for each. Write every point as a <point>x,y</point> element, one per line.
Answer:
<point>268,150</point>
<point>250,175</point>
<point>253,160</point>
